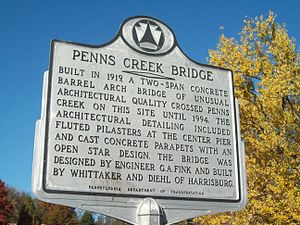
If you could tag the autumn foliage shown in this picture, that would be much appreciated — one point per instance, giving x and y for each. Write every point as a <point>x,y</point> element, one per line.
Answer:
<point>20,208</point>
<point>5,206</point>
<point>266,68</point>
<point>56,214</point>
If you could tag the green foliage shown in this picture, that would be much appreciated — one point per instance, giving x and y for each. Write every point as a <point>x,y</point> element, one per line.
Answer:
<point>27,214</point>
<point>25,218</point>
<point>87,219</point>
<point>17,199</point>
<point>119,222</point>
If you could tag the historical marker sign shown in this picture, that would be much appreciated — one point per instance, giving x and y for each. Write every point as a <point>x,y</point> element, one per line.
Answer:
<point>137,118</point>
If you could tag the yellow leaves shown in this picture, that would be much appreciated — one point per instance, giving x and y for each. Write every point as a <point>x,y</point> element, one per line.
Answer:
<point>221,219</point>
<point>271,17</point>
<point>266,69</point>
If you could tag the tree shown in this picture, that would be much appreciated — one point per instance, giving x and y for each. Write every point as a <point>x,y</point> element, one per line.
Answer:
<point>17,199</point>
<point>5,206</point>
<point>25,218</point>
<point>118,222</point>
<point>56,214</point>
<point>266,68</point>
<point>87,219</point>
<point>28,213</point>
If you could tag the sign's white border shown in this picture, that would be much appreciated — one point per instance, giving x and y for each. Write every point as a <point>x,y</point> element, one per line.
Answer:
<point>176,209</point>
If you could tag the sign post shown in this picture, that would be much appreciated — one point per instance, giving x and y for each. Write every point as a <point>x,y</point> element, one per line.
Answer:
<point>136,130</point>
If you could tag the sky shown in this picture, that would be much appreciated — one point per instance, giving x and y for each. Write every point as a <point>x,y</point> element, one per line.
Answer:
<point>27,27</point>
